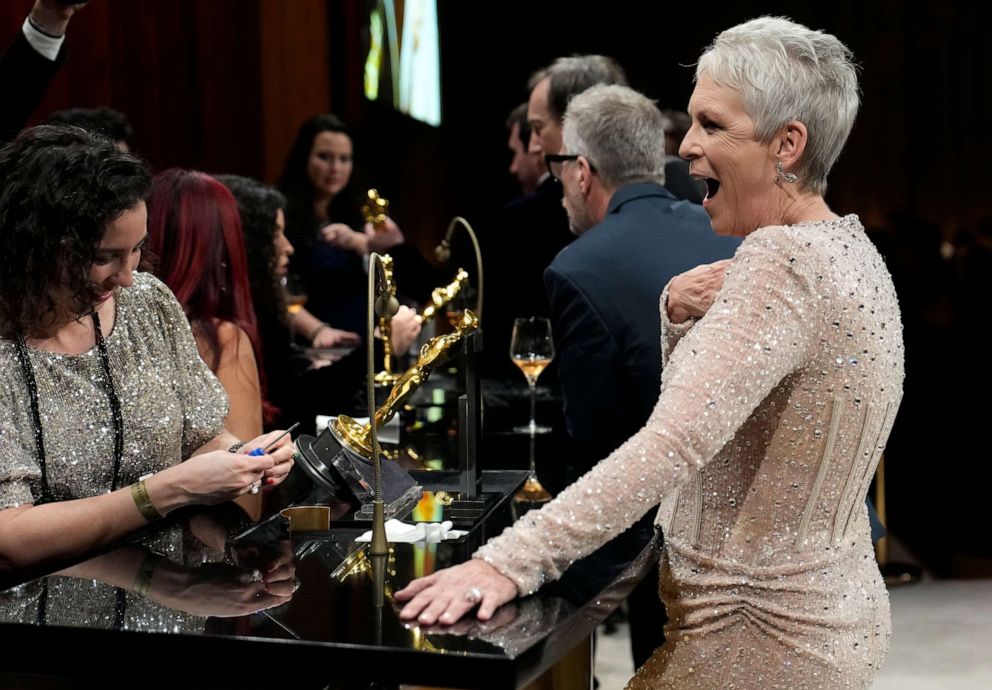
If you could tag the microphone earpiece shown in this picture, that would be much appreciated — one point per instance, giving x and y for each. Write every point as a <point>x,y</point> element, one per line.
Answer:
<point>442,252</point>
<point>386,305</point>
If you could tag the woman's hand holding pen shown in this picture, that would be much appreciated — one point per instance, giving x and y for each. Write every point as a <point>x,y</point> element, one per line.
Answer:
<point>218,476</point>
<point>280,447</point>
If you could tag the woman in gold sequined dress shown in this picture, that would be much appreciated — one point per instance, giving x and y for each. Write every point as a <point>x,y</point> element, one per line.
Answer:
<point>782,375</point>
<point>108,416</point>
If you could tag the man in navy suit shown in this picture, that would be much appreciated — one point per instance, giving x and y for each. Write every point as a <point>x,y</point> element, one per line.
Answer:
<point>604,288</point>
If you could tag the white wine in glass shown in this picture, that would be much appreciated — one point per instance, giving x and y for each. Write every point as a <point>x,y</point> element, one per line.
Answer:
<point>296,295</point>
<point>532,349</point>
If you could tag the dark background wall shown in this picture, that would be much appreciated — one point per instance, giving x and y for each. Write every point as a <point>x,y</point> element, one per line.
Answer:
<point>221,85</point>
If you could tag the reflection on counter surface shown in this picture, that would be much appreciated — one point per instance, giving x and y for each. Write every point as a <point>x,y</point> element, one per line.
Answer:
<point>172,582</point>
<point>315,585</point>
<point>294,590</point>
<point>312,589</point>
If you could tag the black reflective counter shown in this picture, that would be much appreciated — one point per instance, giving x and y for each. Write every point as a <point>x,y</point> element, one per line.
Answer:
<point>203,620</point>
<point>181,604</point>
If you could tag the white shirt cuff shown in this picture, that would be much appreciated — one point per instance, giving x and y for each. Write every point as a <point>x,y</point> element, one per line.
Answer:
<point>46,46</point>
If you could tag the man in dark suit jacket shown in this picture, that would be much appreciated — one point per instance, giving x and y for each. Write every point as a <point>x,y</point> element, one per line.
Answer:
<point>526,234</point>
<point>31,61</point>
<point>604,288</point>
<point>520,241</point>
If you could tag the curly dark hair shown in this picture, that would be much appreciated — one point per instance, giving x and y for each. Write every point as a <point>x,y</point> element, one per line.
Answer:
<point>59,188</point>
<point>258,205</point>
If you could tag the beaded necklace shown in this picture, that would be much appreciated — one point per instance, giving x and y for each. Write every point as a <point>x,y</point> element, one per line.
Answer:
<point>115,409</point>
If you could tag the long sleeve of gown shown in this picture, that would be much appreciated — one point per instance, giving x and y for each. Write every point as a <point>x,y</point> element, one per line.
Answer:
<point>753,336</point>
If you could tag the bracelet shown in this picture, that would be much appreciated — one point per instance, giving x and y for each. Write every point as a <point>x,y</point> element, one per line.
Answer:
<point>315,330</point>
<point>42,30</point>
<point>143,581</point>
<point>237,446</point>
<point>139,492</point>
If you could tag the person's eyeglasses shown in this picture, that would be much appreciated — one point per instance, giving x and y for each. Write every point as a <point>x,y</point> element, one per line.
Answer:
<point>554,162</point>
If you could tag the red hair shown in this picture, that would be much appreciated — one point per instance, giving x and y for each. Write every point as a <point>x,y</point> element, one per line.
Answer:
<point>195,238</point>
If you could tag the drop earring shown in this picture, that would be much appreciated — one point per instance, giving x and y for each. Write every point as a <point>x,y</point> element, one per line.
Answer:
<point>781,175</point>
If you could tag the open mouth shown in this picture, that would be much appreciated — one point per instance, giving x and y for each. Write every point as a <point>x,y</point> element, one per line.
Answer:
<point>712,187</point>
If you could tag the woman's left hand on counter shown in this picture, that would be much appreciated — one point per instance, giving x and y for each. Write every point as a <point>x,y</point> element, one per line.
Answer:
<point>449,594</point>
<point>334,337</point>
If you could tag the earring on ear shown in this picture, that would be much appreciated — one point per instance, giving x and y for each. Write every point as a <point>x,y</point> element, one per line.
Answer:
<point>782,176</point>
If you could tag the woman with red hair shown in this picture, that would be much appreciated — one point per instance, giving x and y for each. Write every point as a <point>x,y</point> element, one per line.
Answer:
<point>195,237</point>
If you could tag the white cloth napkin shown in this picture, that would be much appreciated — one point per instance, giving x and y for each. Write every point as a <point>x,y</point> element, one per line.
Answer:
<point>427,532</point>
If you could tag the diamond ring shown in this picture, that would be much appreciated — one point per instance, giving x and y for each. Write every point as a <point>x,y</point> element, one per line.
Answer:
<point>253,488</point>
<point>473,595</point>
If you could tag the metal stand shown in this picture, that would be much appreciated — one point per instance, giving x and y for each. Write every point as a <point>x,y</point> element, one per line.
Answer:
<point>470,503</point>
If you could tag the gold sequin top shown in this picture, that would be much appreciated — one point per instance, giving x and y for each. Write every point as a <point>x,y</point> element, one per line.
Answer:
<point>171,403</point>
<point>774,410</point>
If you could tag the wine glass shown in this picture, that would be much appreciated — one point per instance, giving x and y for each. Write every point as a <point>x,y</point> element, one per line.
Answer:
<point>296,294</point>
<point>296,297</point>
<point>532,349</point>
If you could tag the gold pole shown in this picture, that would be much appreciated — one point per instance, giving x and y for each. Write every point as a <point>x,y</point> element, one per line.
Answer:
<point>443,252</point>
<point>379,547</point>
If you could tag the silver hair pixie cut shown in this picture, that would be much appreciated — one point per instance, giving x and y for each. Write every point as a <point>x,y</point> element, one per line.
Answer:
<point>785,71</point>
<point>620,131</point>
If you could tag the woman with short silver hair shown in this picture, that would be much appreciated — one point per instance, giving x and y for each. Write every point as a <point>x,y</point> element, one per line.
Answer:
<point>783,371</point>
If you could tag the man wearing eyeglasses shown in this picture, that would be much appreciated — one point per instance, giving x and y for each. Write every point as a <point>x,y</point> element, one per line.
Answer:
<point>604,288</point>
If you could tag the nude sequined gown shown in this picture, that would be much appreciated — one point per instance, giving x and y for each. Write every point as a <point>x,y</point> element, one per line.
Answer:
<point>774,410</point>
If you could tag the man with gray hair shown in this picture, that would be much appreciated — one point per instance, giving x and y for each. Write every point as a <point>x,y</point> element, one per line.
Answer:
<point>529,232</point>
<point>604,288</point>
<point>634,236</point>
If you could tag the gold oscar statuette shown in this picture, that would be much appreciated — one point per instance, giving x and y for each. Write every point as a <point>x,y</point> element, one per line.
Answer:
<point>386,377</point>
<point>375,209</point>
<point>442,295</point>
<point>435,351</point>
